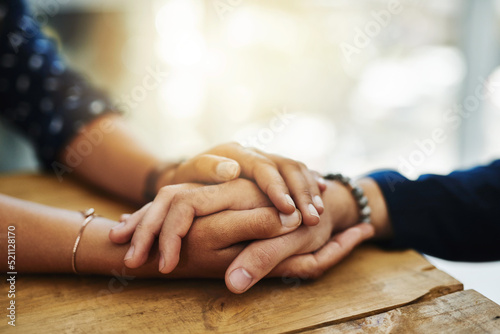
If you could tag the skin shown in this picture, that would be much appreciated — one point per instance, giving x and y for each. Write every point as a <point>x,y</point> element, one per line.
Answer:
<point>51,232</point>
<point>283,250</point>
<point>173,212</point>
<point>288,184</point>
<point>317,249</point>
<point>305,252</point>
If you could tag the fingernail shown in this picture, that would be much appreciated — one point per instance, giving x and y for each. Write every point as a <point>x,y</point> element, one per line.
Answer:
<point>227,170</point>
<point>162,262</point>
<point>240,279</point>
<point>118,226</point>
<point>124,217</point>
<point>129,254</point>
<point>290,220</point>
<point>289,200</point>
<point>318,202</point>
<point>312,210</point>
<point>321,180</point>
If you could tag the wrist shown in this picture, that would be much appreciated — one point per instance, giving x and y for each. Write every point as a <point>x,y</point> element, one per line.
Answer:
<point>166,176</point>
<point>159,176</point>
<point>95,242</point>
<point>344,208</point>
<point>341,205</point>
<point>380,216</point>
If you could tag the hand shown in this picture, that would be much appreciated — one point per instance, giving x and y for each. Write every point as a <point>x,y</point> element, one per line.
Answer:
<point>215,240</point>
<point>172,212</point>
<point>306,252</point>
<point>286,182</point>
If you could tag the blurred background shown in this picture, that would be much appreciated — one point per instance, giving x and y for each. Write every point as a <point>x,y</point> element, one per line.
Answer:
<point>341,85</point>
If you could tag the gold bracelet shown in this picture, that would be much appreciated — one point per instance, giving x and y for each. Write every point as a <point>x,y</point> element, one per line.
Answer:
<point>88,215</point>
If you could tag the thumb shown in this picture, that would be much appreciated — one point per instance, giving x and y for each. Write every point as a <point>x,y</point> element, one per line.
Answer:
<point>207,168</point>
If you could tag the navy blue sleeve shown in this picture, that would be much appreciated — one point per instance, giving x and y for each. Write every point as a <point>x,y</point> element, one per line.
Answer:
<point>454,217</point>
<point>39,95</point>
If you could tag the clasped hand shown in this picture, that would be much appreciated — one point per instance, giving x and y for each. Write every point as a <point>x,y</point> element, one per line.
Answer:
<point>240,229</point>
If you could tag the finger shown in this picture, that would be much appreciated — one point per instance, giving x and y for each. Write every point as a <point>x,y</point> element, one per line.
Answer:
<point>321,183</point>
<point>202,246</point>
<point>313,265</point>
<point>187,205</point>
<point>257,167</point>
<point>260,257</point>
<point>314,189</point>
<point>207,168</point>
<point>227,228</point>
<point>319,180</point>
<point>124,217</point>
<point>299,186</point>
<point>150,225</point>
<point>123,231</point>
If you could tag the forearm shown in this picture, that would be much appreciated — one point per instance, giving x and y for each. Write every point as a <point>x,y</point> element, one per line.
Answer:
<point>116,161</point>
<point>45,237</point>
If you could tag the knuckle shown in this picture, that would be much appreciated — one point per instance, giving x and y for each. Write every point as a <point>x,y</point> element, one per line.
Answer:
<point>181,197</point>
<point>145,230</point>
<point>177,198</point>
<point>302,166</point>
<point>199,162</point>
<point>133,218</point>
<point>164,191</point>
<point>262,222</point>
<point>169,191</point>
<point>311,269</point>
<point>186,203</point>
<point>233,144</point>
<point>256,150</point>
<point>304,192</point>
<point>262,166</point>
<point>314,189</point>
<point>266,163</point>
<point>292,163</point>
<point>315,174</point>
<point>145,208</point>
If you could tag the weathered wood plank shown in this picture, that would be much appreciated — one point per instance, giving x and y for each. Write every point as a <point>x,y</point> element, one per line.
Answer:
<point>460,312</point>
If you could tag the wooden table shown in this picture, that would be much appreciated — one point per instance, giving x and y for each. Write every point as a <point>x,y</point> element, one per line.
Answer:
<point>371,291</point>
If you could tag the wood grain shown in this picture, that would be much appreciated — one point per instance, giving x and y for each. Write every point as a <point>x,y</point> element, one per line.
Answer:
<point>460,312</point>
<point>68,194</point>
<point>370,281</point>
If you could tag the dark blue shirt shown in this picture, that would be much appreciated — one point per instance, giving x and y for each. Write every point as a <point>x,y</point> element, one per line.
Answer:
<point>45,100</point>
<point>455,217</point>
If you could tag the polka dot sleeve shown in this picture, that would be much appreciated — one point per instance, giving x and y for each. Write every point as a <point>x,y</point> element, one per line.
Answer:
<point>47,101</point>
